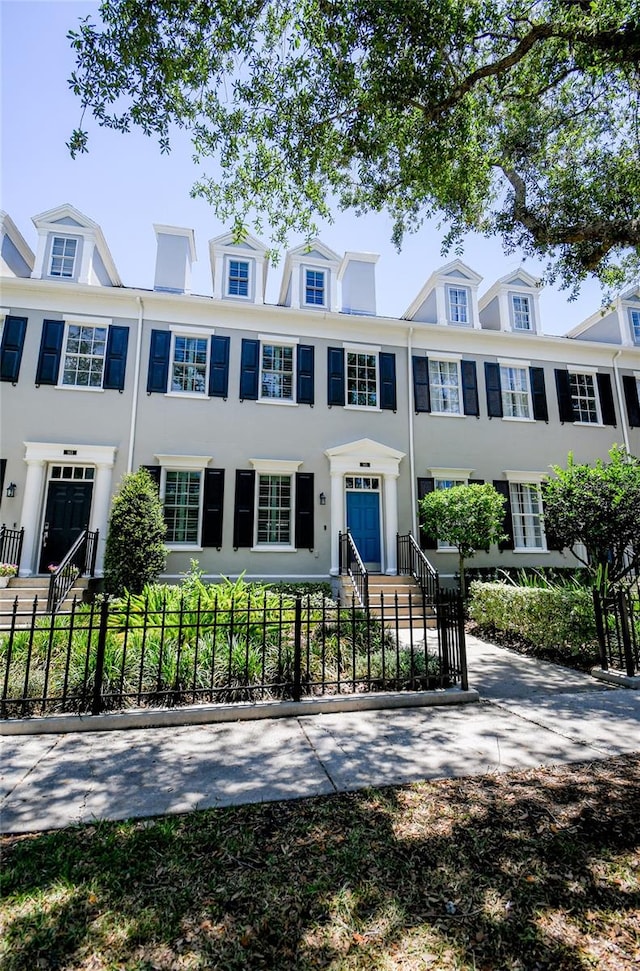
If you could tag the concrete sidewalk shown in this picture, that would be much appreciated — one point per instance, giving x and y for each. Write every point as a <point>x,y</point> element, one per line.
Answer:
<point>532,713</point>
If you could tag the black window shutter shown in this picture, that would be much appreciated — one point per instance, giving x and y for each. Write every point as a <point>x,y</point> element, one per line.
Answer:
<point>565,401</point>
<point>243,509</point>
<point>115,361</point>
<point>159,353</point>
<point>606,399</point>
<point>421,393</point>
<point>494,390</point>
<point>50,352</point>
<point>219,369</point>
<point>630,386</point>
<point>155,472</point>
<point>304,510</point>
<point>212,507</point>
<point>539,394</point>
<point>476,481</point>
<point>470,400</point>
<point>305,378</point>
<point>13,336</point>
<point>388,396</point>
<point>507,523</point>
<point>249,364</point>
<point>335,376</point>
<point>425,486</point>
<point>3,469</point>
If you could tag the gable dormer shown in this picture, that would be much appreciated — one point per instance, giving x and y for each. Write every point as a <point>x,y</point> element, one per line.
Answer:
<point>239,269</point>
<point>71,248</point>
<point>310,278</point>
<point>617,323</point>
<point>449,298</point>
<point>512,304</point>
<point>16,257</point>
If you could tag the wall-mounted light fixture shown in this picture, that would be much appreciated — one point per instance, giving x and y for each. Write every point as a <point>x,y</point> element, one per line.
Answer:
<point>323,499</point>
<point>11,490</point>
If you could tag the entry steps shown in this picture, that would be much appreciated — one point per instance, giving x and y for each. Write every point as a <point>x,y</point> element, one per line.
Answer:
<point>26,589</point>
<point>398,599</point>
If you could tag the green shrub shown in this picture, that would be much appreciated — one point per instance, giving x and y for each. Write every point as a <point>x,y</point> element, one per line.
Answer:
<point>557,618</point>
<point>135,552</point>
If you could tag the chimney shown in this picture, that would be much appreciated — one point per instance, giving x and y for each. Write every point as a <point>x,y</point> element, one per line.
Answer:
<point>175,254</point>
<point>357,274</point>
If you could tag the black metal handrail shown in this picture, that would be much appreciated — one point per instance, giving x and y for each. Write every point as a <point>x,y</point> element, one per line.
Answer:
<point>351,563</point>
<point>11,541</point>
<point>413,562</point>
<point>79,561</point>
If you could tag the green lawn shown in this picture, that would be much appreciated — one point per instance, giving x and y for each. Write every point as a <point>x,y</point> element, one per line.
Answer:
<point>530,871</point>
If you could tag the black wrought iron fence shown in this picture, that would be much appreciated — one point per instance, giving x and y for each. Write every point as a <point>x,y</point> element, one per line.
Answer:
<point>11,545</point>
<point>618,626</point>
<point>113,656</point>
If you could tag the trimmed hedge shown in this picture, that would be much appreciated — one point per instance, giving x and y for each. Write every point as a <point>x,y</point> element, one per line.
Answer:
<point>558,620</point>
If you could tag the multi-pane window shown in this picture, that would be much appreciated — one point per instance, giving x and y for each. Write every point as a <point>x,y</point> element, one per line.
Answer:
<point>63,256</point>
<point>274,510</point>
<point>458,305</point>
<point>444,543</point>
<point>444,386</point>
<point>521,313</point>
<point>238,278</point>
<point>314,288</point>
<point>362,483</point>
<point>182,506</point>
<point>83,473</point>
<point>514,384</point>
<point>189,365</point>
<point>634,319</point>
<point>276,374</point>
<point>84,356</point>
<point>362,380</point>
<point>584,397</point>
<point>526,515</point>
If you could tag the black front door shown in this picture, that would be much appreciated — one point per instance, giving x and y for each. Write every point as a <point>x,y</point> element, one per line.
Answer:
<point>66,515</point>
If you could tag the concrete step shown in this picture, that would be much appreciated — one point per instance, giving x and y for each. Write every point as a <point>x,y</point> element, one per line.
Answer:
<point>25,590</point>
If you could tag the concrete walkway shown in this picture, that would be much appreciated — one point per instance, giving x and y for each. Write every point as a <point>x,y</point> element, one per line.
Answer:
<point>531,713</point>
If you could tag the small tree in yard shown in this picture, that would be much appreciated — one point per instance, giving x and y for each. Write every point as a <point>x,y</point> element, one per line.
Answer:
<point>468,517</point>
<point>597,507</point>
<point>135,552</point>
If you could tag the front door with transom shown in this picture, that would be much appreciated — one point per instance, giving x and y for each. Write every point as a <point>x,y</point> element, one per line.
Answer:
<point>363,518</point>
<point>67,512</point>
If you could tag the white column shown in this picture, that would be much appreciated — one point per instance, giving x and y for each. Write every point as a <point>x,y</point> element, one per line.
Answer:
<point>442,316</point>
<point>391,523</point>
<point>100,509</point>
<point>259,270</point>
<point>295,286</point>
<point>503,304</point>
<point>334,306</point>
<point>30,516</point>
<point>88,246</point>
<point>218,276</point>
<point>336,517</point>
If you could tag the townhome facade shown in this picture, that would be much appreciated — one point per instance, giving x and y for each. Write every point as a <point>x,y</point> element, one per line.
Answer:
<point>270,429</point>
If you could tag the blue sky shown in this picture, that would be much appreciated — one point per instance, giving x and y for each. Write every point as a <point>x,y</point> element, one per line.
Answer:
<point>126,185</point>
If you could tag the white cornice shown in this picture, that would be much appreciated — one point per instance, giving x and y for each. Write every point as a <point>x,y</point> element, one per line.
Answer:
<point>9,228</point>
<point>442,275</point>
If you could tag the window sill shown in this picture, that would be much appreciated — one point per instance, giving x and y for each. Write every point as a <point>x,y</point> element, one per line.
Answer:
<point>447,414</point>
<point>530,549</point>
<point>588,424</point>
<point>362,408</point>
<point>79,387</point>
<point>446,549</point>
<point>278,401</point>
<point>272,548</point>
<point>516,418</point>
<point>198,396</point>
<point>186,548</point>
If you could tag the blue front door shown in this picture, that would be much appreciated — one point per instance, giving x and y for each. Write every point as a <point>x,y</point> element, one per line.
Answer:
<point>363,519</point>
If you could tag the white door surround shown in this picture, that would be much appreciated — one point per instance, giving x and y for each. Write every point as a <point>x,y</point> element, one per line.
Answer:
<point>370,458</point>
<point>38,456</point>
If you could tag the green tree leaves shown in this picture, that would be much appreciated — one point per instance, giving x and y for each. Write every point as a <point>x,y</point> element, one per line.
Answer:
<point>507,117</point>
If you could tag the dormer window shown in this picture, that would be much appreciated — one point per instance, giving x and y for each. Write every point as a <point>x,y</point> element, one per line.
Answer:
<point>458,305</point>
<point>521,312</point>
<point>63,256</point>
<point>238,279</point>
<point>634,321</point>
<point>314,288</point>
